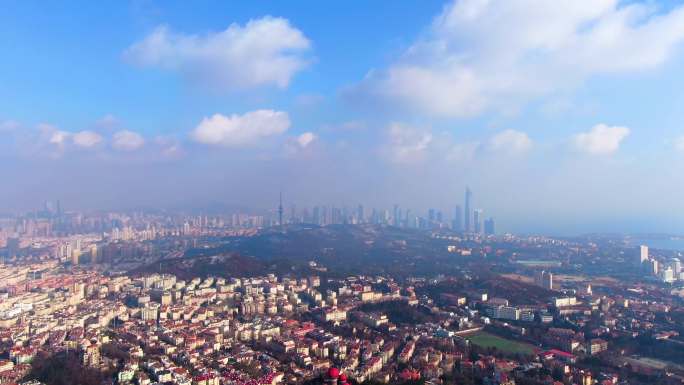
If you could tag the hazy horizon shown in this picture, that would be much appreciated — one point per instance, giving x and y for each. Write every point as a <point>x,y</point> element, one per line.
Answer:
<point>561,121</point>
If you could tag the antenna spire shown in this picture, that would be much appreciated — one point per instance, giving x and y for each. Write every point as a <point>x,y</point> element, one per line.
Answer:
<point>280,211</point>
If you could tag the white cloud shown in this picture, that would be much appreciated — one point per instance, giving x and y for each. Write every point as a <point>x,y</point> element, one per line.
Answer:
<point>8,125</point>
<point>481,55</point>
<point>45,128</point>
<point>407,144</point>
<point>59,138</point>
<point>601,139</point>
<point>62,140</point>
<point>125,140</point>
<point>510,141</point>
<point>266,51</point>
<point>86,139</point>
<point>240,130</point>
<point>463,152</point>
<point>348,127</point>
<point>679,143</point>
<point>169,147</point>
<point>305,139</point>
<point>50,140</point>
<point>108,121</point>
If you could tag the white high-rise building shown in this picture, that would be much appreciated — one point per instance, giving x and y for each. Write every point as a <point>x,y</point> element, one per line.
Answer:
<point>93,253</point>
<point>643,254</point>
<point>65,251</point>
<point>544,279</point>
<point>116,234</point>
<point>676,266</point>
<point>654,266</point>
<point>668,275</point>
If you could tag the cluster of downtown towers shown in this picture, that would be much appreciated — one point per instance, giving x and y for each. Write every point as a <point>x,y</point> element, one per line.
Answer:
<point>467,220</point>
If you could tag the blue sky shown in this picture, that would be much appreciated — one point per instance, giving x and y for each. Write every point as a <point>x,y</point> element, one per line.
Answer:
<point>562,118</point>
<point>72,55</point>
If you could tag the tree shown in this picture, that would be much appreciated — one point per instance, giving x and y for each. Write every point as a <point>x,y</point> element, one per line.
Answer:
<point>60,369</point>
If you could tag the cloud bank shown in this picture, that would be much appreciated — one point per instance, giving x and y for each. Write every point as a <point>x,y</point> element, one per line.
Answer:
<point>126,140</point>
<point>264,52</point>
<point>601,139</point>
<point>497,55</point>
<point>241,130</point>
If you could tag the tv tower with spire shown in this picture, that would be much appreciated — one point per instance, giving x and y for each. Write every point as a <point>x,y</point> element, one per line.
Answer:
<point>280,211</point>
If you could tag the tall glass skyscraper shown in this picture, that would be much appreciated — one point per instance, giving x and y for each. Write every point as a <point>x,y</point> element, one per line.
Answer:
<point>468,214</point>
<point>457,224</point>
<point>477,221</point>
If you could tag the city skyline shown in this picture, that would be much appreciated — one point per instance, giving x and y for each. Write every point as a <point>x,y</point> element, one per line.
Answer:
<point>321,214</point>
<point>306,192</point>
<point>553,132</point>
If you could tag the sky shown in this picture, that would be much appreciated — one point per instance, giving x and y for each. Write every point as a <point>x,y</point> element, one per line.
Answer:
<point>562,117</point>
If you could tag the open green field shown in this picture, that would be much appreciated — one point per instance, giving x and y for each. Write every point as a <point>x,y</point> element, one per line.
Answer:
<point>487,340</point>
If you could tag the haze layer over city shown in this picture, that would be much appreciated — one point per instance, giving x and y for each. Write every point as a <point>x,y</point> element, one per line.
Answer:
<point>433,192</point>
<point>563,121</point>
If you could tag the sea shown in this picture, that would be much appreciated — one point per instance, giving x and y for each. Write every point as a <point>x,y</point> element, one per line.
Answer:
<point>673,244</point>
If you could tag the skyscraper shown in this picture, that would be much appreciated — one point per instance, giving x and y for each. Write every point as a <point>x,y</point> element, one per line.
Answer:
<point>12,246</point>
<point>477,221</point>
<point>676,266</point>
<point>458,219</point>
<point>317,215</point>
<point>280,210</point>
<point>325,216</point>
<point>93,254</point>
<point>545,279</point>
<point>293,214</point>
<point>643,254</point>
<point>468,195</point>
<point>75,256</point>
<point>489,226</point>
<point>654,266</point>
<point>336,215</point>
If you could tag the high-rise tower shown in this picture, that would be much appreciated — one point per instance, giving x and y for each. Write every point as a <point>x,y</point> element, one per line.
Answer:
<point>477,220</point>
<point>489,226</point>
<point>457,223</point>
<point>468,195</point>
<point>280,210</point>
<point>643,254</point>
<point>545,279</point>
